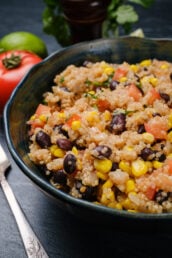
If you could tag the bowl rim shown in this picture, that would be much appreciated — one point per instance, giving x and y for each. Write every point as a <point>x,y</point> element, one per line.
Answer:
<point>45,185</point>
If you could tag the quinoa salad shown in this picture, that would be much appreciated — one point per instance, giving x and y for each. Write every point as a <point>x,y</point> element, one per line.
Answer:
<point>103,133</point>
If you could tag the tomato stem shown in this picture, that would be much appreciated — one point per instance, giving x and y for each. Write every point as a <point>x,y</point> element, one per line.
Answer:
<point>12,62</point>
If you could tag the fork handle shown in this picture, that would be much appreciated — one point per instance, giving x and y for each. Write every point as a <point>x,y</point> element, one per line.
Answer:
<point>33,247</point>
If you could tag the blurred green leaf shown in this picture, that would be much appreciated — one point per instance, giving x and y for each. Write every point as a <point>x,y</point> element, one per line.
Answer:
<point>126,14</point>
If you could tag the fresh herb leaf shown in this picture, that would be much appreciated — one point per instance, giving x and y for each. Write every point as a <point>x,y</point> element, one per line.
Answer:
<point>123,111</point>
<point>88,82</point>
<point>89,94</point>
<point>62,79</point>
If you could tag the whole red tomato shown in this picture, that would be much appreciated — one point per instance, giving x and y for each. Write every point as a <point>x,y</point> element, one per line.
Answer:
<point>14,64</point>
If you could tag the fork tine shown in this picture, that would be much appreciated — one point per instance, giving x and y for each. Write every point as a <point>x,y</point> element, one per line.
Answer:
<point>4,161</point>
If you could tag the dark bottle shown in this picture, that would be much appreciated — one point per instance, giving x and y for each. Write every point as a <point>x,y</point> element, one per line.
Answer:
<point>85,18</point>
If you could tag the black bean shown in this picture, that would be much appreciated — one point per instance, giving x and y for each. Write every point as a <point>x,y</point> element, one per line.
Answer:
<point>80,145</point>
<point>69,163</point>
<point>115,166</point>
<point>165,96</point>
<point>147,154</point>
<point>170,76</point>
<point>64,144</point>
<point>161,196</point>
<point>101,152</point>
<point>156,114</point>
<point>87,192</point>
<point>45,170</point>
<point>113,85</point>
<point>59,177</point>
<point>117,125</point>
<point>141,129</point>
<point>59,129</point>
<point>162,157</point>
<point>43,139</point>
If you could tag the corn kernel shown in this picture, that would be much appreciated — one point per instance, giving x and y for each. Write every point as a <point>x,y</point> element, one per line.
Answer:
<point>149,164</point>
<point>79,164</point>
<point>61,115</point>
<point>107,196</point>
<point>170,121</point>
<point>123,79</point>
<point>102,175</point>
<point>76,125</point>
<point>103,165</point>
<point>92,117</point>
<point>104,64</point>
<point>74,150</point>
<point>118,206</point>
<point>112,205</point>
<point>107,115</point>
<point>109,70</point>
<point>164,66</point>
<point>139,167</point>
<point>148,137</point>
<point>146,62</point>
<point>132,193</point>
<point>134,68</point>
<point>125,166</point>
<point>130,186</point>
<point>107,184</point>
<point>59,153</point>
<point>153,81</point>
<point>144,80</point>
<point>53,148</point>
<point>157,164</point>
<point>91,92</point>
<point>128,148</point>
<point>169,155</point>
<point>169,136</point>
<point>32,117</point>
<point>129,210</point>
<point>127,204</point>
<point>43,118</point>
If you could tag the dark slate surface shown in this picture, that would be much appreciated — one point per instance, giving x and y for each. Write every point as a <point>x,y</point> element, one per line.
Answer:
<point>62,235</point>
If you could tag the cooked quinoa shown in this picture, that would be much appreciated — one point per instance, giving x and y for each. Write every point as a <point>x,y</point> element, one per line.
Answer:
<point>104,134</point>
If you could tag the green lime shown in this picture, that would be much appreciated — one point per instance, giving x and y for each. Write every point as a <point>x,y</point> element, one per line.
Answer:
<point>21,40</point>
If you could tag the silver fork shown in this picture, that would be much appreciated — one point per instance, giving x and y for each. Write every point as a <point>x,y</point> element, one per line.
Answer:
<point>32,245</point>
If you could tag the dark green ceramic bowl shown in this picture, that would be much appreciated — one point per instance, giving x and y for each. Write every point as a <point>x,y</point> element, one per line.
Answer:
<point>28,94</point>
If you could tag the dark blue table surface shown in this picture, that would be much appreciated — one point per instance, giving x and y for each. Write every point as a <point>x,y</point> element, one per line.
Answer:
<point>62,235</point>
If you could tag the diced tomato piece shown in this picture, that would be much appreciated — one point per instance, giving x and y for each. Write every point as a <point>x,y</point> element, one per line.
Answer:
<point>134,92</point>
<point>119,73</point>
<point>74,117</point>
<point>103,105</point>
<point>42,109</point>
<point>157,127</point>
<point>36,123</point>
<point>169,162</point>
<point>150,193</point>
<point>153,96</point>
